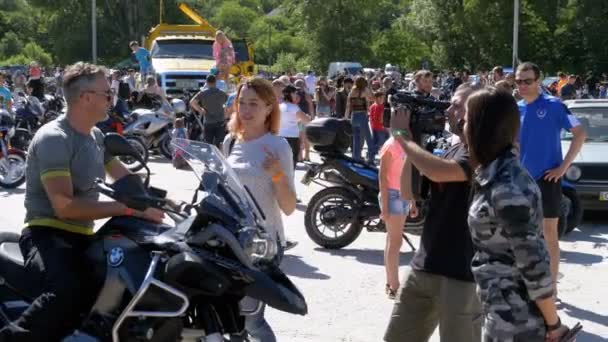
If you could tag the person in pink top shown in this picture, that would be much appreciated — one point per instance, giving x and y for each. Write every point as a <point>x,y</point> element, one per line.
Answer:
<point>394,209</point>
<point>223,53</point>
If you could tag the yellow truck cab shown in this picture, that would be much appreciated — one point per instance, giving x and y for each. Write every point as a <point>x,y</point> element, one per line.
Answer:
<point>182,55</point>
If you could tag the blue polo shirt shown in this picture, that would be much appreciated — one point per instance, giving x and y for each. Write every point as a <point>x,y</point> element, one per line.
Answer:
<point>143,59</point>
<point>541,124</point>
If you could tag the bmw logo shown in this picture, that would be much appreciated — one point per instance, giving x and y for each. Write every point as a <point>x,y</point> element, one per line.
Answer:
<point>116,257</point>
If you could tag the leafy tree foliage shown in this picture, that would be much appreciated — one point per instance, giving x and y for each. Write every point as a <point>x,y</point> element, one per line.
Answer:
<point>567,35</point>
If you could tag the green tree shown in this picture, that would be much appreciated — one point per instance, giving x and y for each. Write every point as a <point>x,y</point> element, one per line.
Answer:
<point>34,52</point>
<point>341,30</point>
<point>398,46</point>
<point>234,18</point>
<point>10,44</point>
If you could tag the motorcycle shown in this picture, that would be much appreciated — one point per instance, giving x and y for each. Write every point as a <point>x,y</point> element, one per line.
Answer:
<point>12,160</point>
<point>182,282</point>
<point>336,215</point>
<point>115,124</point>
<point>154,126</point>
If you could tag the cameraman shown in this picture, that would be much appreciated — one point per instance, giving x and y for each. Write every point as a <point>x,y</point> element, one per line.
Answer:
<point>440,288</point>
<point>424,83</point>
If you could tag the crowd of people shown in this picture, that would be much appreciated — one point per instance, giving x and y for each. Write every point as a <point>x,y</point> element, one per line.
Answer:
<point>494,205</point>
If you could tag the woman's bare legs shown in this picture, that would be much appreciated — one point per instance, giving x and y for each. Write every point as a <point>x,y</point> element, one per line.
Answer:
<point>394,240</point>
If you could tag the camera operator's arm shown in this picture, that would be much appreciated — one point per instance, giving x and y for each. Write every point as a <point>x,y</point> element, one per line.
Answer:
<point>437,169</point>
<point>406,181</point>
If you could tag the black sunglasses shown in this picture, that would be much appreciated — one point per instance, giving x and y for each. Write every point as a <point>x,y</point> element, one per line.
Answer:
<point>528,81</point>
<point>108,94</point>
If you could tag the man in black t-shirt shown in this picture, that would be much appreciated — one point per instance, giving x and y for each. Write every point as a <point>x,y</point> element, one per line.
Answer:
<point>388,90</point>
<point>440,289</point>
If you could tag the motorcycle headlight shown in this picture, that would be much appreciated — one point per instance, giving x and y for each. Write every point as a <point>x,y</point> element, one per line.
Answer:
<point>258,245</point>
<point>574,173</point>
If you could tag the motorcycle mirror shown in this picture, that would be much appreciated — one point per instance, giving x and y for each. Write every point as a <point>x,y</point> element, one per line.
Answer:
<point>117,145</point>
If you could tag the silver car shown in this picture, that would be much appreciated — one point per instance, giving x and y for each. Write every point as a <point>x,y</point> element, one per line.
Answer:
<point>589,171</point>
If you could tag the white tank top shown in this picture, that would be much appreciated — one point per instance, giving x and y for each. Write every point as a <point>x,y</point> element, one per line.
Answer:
<point>289,120</point>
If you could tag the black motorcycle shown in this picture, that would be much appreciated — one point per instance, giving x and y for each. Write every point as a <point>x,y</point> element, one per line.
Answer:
<point>181,282</point>
<point>336,215</point>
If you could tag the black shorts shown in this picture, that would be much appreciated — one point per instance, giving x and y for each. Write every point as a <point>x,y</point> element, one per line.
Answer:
<point>551,195</point>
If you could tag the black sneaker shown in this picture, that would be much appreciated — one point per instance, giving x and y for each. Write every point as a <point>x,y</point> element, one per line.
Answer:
<point>289,244</point>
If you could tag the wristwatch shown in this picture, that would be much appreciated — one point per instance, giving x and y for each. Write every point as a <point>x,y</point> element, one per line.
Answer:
<point>400,133</point>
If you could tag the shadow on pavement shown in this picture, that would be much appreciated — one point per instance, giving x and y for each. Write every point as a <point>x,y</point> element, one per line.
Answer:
<point>367,256</point>
<point>583,314</point>
<point>584,336</point>
<point>574,311</point>
<point>7,192</point>
<point>293,265</point>
<point>586,259</point>
<point>588,234</point>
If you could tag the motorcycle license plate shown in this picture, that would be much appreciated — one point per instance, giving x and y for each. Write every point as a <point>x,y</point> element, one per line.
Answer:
<point>604,196</point>
<point>186,84</point>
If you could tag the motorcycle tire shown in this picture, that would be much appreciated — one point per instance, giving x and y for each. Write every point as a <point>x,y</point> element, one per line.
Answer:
<point>315,208</point>
<point>19,157</point>
<point>140,146</point>
<point>164,145</point>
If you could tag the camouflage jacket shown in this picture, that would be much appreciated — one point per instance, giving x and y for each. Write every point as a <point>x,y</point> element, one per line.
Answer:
<point>511,265</point>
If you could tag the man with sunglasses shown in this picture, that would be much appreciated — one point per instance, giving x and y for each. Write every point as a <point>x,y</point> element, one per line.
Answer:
<point>542,119</point>
<point>65,158</point>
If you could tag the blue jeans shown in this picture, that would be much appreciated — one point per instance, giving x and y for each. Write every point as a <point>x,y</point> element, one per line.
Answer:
<point>258,329</point>
<point>379,137</point>
<point>361,131</point>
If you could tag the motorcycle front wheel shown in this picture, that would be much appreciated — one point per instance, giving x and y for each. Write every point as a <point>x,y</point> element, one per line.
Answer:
<point>12,169</point>
<point>140,146</point>
<point>331,218</point>
<point>164,145</point>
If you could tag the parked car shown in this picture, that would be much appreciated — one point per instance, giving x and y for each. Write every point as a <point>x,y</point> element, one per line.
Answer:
<point>589,171</point>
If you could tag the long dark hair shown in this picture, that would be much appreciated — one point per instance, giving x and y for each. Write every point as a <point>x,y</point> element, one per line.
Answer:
<point>492,124</point>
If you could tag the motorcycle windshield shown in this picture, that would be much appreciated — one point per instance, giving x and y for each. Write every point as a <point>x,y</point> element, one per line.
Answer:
<point>207,160</point>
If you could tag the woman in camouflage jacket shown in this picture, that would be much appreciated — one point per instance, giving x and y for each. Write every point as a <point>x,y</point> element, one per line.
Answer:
<point>511,265</point>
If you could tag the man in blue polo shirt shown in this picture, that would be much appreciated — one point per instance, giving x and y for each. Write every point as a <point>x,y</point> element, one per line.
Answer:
<point>6,98</point>
<point>542,119</point>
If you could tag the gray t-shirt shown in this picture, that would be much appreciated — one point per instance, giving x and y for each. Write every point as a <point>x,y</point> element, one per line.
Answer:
<point>59,150</point>
<point>247,159</point>
<point>212,100</point>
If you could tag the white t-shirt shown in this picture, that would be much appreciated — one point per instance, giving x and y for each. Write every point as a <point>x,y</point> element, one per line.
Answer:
<point>246,159</point>
<point>289,120</point>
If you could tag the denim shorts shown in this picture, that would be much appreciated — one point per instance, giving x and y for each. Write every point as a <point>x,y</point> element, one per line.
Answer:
<point>396,205</point>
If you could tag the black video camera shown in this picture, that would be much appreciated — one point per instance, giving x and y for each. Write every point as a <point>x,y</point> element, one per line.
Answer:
<point>428,119</point>
<point>428,115</point>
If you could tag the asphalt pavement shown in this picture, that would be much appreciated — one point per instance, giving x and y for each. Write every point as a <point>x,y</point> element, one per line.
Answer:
<point>345,288</point>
